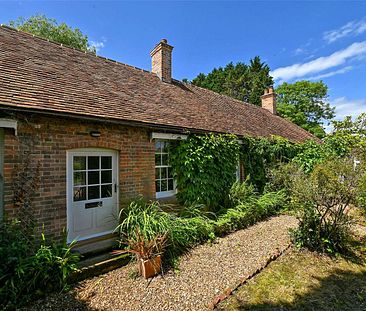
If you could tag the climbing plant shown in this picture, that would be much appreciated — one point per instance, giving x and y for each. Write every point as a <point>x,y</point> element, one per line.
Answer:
<point>204,167</point>
<point>259,154</point>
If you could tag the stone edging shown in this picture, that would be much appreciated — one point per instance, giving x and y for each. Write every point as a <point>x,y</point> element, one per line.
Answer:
<point>243,280</point>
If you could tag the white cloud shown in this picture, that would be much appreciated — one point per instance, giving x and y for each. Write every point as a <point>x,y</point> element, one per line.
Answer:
<point>98,45</point>
<point>330,74</point>
<point>320,64</point>
<point>352,28</point>
<point>299,51</point>
<point>348,107</point>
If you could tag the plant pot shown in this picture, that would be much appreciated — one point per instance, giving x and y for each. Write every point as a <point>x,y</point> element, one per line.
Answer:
<point>150,267</point>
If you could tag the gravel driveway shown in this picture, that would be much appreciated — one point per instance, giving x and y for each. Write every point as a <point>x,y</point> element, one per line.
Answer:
<point>206,272</point>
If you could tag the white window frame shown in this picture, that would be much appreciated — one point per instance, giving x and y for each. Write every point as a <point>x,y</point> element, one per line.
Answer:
<point>237,172</point>
<point>168,193</point>
<point>156,136</point>
<point>9,123</point>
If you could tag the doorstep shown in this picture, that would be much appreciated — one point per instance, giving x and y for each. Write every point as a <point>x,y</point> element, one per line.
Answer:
<point>97,258</point>
<point>94,246</point>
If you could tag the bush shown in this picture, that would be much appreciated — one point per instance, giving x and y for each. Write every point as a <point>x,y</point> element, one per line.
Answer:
<point>254,209</point>
<point>324,197</point>
<point>240,192</point>
<point>30,268</point>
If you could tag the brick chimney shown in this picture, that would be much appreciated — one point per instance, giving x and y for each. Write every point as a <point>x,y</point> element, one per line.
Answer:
<point>269,100</point>
<point>161,60</point>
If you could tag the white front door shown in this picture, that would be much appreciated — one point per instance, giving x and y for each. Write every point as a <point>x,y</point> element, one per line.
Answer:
<point>92,192</point>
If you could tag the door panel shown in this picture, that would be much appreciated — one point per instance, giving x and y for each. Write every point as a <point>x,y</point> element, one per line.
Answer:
<point>92,193</point>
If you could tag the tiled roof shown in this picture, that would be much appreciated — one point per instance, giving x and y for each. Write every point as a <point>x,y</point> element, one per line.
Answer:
<point>42,75</point>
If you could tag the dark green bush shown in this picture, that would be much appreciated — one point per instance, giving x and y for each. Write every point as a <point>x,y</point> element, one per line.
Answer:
<point>30,267</point>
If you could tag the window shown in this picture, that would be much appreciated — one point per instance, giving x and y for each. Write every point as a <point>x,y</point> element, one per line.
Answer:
<point>92,177</point>
<point>237,171</point>
<point>164,182</point>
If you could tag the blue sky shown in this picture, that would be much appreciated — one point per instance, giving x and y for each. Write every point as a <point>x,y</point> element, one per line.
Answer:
<point>298,40</point>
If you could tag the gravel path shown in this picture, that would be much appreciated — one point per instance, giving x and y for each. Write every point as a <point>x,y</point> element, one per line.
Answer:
<point>206,272</point>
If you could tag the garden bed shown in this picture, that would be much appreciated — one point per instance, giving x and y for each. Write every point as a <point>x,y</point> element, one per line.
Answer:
<point>203,274</point>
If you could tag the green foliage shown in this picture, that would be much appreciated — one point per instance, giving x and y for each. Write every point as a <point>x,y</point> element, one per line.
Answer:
<point>305,104</point>
<point>30,268</point>
<point>151,221</point>
<point>204,167</point>
<point>183,233</point>
<point>48,28</point>
<point>260,154</point>
<point>253,208</point>
<point>323,198</point>
<point>240,193</point>
<point>241,81</point>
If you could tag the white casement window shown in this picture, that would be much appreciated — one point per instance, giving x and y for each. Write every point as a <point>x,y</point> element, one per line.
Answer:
<point>237,172</point>
<point>164,181</point>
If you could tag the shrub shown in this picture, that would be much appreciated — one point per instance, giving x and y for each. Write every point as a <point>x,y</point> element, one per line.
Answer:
<point>240,192</point>
<point>256,208</point>
<point>324,197</point>
<point>30,267</point>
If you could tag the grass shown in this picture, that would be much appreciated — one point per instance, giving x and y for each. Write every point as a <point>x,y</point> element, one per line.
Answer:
<point>302,280</point>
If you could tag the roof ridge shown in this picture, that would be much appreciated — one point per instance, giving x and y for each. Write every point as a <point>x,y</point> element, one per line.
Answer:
<point>243,102</point>
<point>226,96</point>
<point>74,49</point>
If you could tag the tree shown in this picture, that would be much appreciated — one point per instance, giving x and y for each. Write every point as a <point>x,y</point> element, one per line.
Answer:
<point>48,28</point>
<point>240,81</point>
<point>305,104</point>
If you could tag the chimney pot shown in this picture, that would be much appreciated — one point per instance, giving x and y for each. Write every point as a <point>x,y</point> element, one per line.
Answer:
<point>269,100</point>
<point>161,60</point>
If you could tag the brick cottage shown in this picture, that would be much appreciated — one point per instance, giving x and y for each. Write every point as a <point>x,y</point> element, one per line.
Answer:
<point>95,130</point>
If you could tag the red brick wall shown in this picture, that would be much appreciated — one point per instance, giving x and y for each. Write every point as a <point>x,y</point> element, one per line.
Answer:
<point>48,140</point>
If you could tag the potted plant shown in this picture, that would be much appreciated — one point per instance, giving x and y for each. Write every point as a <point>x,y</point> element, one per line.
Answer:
<point>148,253</point>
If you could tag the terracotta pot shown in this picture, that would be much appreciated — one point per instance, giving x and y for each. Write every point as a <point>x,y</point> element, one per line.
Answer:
<point>150,267</point>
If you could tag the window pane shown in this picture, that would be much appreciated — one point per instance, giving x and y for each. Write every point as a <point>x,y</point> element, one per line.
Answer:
<point>106,191</point>
<point>170,172</point>
<point>93,163</point>
<point>79,163</point>
<point>79,194</point>
<point>164,172</point>
<point>157,173</point>
<point>170,184</point>
<point>164,185</point>
<point>157,185</point>
<point>93,177</point>
<point>106,162</point>
<point>79,178</point>
<point>164,159</point>
<point>157,159</point>
<point>93,192</point>
<point>106,177</point>
<point>165,146</point>
<point>158,146</point>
